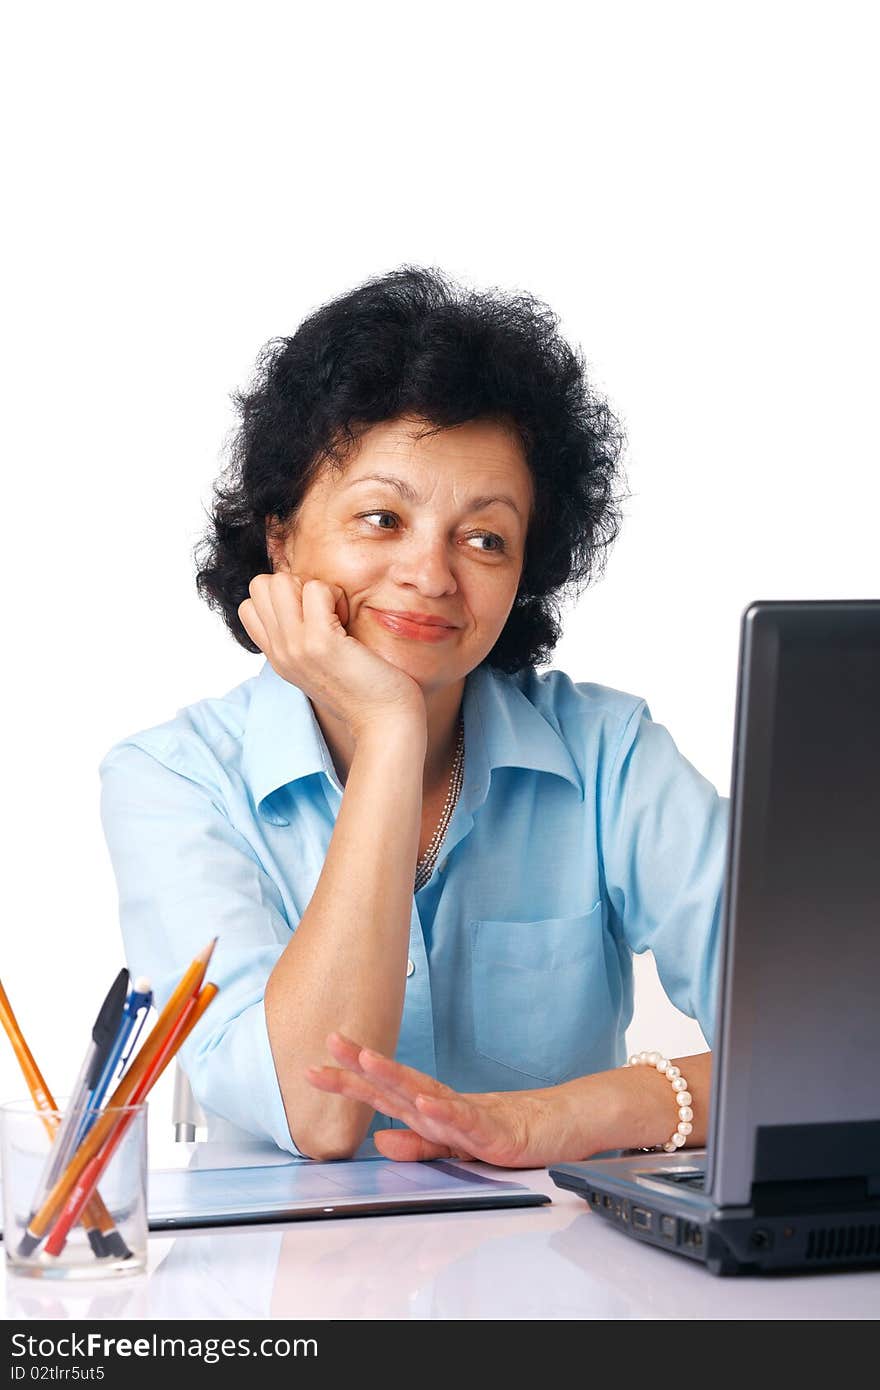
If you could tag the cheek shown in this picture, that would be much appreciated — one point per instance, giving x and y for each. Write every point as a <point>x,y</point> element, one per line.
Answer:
<point>362,574</point>
<point>490,598</point>
<point>356,566</point>
<point>330,555</point>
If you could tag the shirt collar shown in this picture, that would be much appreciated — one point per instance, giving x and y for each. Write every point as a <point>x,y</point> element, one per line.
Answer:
<point>510,730</point>
<point>283,740</point>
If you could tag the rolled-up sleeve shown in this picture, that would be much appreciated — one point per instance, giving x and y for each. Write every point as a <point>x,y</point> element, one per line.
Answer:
<point>664,843</point>
<point>185,875</point>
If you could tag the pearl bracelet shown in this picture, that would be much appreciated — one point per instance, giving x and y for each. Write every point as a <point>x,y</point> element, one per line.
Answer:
<point>683,1098</point>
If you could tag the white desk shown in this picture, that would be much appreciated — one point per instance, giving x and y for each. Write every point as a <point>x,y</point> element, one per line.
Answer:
<point>557,1261</point>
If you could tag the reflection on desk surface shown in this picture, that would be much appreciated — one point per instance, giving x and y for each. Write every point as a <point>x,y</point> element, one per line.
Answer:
<point>490,1265</point>
<point>552,1262</point>
<point>393,1267</point>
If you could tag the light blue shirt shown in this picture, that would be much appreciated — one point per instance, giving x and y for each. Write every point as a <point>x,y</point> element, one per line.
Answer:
<point>581,835</point>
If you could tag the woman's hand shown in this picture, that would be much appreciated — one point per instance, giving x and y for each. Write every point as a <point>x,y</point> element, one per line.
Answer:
<point>512,1129</point>
<point>300,626</point>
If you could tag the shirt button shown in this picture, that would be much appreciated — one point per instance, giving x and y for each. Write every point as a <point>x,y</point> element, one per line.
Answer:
<point>442,865</point>
<point>409,968</point>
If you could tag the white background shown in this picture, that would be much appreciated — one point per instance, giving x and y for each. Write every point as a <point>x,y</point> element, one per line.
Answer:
<point>690,187</point>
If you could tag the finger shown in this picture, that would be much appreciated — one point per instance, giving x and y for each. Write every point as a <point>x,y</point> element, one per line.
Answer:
<point>260,590</point>
<point>339,1081</point>
<point>401,1086</point>
<point>340,600</point>
<point>344,1083</point>
<point>253,624</point>
<point>345,1050</point>
<point>462,1132</point>
<point>284,595</point>
<point>405,1081</point>
<point>497,1134</point>
<point>319,602</point>
<point>454,1113</point>
<point>403,1146</point>
<point>408,1101</point>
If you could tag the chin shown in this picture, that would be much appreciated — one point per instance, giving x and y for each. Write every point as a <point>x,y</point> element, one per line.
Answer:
<point>420,665</point>
<point>424,665</point>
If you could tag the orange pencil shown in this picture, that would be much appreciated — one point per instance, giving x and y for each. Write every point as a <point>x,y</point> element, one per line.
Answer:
<point>189,985</point>
<point>32,1074</point>
<point>192,1012</point>
<point>99,1224</point>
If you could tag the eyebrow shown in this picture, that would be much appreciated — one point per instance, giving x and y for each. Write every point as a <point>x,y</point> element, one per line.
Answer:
<point>409,493</point>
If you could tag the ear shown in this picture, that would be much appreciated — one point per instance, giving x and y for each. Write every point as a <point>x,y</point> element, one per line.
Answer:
<point>275,545</point>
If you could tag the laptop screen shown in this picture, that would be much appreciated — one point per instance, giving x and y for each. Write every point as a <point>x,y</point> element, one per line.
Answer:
<point>801,975</point>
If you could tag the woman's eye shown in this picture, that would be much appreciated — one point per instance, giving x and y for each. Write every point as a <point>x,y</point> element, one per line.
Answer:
<point>497,544</point>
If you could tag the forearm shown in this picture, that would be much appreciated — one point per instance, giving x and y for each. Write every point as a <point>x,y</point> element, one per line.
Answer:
<point>345,965</point>
<point>630,1108</point>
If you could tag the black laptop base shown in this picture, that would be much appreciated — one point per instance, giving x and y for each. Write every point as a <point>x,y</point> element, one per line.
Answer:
<point>742,1241</point>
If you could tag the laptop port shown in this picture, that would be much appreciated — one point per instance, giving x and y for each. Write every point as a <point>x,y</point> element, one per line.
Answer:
<point>691,1234</point>
<point>642,1220</point>
<point>606,1202</point>
<point>667,1227</point>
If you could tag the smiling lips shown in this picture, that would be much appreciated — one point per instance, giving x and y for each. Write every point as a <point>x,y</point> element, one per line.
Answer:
<point>420,627</point>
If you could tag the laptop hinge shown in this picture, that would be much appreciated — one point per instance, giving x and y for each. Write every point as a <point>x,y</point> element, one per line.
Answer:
<point>811,1166</point>
<point>784,1197</point>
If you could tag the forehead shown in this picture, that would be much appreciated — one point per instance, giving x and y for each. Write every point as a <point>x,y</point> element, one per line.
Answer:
<point>473,453</point>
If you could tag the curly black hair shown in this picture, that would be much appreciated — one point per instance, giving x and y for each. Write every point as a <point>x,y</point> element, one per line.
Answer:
<point>414,343</point>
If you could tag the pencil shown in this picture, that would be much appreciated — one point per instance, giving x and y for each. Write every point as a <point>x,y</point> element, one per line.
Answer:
<point>99,1224</point>
<point>190,983</point>
<point>192,1012</point>
<point>32,1074</point>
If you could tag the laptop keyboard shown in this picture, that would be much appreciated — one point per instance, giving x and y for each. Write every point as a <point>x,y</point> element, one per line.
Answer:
<point>693,1178</point>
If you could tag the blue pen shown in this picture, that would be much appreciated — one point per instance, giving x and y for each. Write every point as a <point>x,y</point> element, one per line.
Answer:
<point>134,1016</point>
<point>137,1002</point>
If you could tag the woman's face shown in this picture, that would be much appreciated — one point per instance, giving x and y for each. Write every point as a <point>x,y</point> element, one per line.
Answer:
<point>431,527</point>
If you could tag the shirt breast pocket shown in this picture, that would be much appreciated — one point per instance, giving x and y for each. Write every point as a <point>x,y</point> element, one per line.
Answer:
<point>541,999</point>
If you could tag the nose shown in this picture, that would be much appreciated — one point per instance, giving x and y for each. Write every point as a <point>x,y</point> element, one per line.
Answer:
<point>424,563</point>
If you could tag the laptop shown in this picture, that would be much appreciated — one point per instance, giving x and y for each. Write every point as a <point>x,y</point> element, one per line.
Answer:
<point>790,1175</point>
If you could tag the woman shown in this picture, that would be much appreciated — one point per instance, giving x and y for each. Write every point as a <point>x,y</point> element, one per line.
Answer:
<point>399,829</point>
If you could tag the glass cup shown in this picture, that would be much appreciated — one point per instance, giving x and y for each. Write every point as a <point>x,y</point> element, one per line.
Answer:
<point>110,1237</point>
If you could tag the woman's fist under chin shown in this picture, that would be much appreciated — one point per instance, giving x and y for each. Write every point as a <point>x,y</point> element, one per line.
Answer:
<point>299,624</point>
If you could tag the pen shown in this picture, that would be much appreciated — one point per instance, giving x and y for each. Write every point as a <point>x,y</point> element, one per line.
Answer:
<point>103,1032</point>
<point>97,1220</point>
<point>187,987</point>
<point>86,1182</point>
<point>134,1016</point>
